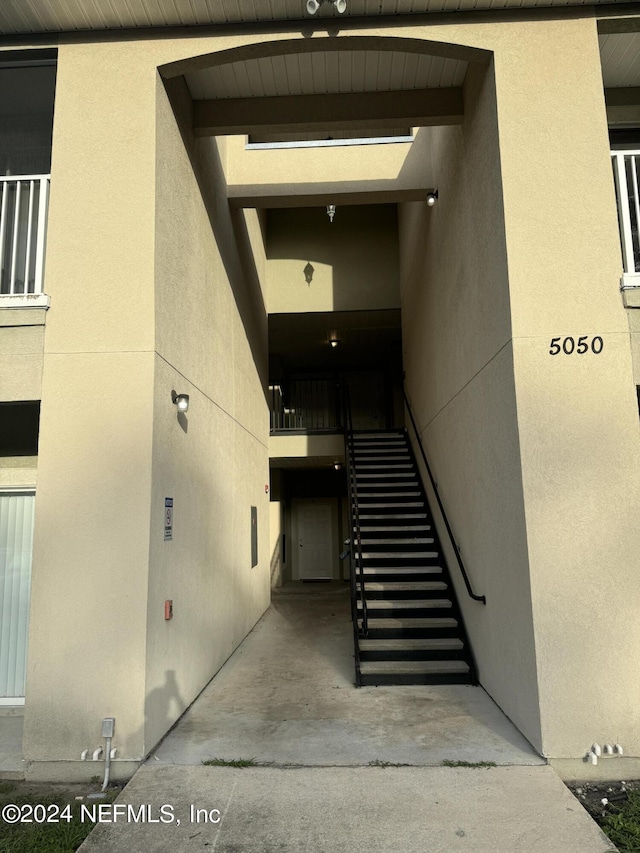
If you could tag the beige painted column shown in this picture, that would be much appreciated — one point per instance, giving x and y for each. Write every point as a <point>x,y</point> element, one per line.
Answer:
<point>577,411</point>
<point>91,548</point>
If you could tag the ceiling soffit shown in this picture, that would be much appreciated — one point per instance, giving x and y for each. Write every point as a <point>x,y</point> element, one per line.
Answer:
<point>53,16</point>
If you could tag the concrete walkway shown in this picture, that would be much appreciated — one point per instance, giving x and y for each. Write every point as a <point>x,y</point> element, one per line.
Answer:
<point>286,699</point>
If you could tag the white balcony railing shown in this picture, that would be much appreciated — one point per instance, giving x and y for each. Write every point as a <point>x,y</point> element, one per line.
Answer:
<point>23,232</point>
<point>626,169</point>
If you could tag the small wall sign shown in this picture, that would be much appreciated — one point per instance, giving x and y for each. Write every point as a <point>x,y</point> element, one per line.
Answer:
<point>168,519</point>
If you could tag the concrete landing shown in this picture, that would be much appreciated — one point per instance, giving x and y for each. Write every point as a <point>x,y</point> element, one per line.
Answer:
<point>360,810</point>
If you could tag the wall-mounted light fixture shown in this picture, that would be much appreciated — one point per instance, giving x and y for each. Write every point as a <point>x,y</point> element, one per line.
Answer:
<point>339,5</point>
<point>337,465</point>
<point>334,342</point>
<point>331,211</point>
<point>432,198</point>
<point>181,401</point>
<point>308,273</point>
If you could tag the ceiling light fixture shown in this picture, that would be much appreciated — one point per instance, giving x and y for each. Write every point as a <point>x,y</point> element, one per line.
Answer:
<point>432,198</point>
<point>331,211</point>
<point>339,5</point>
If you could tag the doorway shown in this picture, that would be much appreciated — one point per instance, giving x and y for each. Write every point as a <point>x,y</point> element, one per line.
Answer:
<point>314,539</point>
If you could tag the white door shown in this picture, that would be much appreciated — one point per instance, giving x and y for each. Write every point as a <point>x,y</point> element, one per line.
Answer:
<point>315,559</point>
<point>16,538</point>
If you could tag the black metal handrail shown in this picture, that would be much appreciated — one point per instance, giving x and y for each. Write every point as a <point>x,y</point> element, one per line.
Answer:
<point>472,594</point>
<point>357,569</point>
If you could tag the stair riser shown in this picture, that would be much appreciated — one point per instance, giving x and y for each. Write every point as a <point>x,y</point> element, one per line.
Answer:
<point>388,680</point>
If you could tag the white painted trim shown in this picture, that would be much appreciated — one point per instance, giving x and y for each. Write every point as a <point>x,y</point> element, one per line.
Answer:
<point>12,702</point>
<point>630,280</point>
<point>25,300</point>
<point>327,143</point>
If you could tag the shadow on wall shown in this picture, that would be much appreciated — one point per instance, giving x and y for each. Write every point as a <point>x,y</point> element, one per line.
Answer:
<point>276,565</point>
<point>360,248</point>
<point>160,703</point>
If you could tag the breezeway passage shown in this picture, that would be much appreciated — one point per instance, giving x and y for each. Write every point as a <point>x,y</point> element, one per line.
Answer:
<point>286,696</point>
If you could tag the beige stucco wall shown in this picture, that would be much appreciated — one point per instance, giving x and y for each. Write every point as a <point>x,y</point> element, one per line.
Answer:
<point>459,378</point>
<point>354,259</point>
<point>213,462</point>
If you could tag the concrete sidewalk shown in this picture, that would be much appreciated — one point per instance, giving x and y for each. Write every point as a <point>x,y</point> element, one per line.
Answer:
<point>362,810</point>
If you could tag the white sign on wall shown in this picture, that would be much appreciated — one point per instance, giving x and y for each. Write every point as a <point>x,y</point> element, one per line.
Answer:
<point>168,519</point>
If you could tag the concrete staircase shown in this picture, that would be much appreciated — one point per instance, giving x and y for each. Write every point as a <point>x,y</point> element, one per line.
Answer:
<point>415,632</point>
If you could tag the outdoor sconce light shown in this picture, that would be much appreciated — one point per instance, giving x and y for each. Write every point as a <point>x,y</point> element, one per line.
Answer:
<point>339,5</point>
<point>334,342</point>
<point>432,198</point>
<point>308,273</point>
<point>181,401</point>
<point>337,465</point>
<point>331,211</point>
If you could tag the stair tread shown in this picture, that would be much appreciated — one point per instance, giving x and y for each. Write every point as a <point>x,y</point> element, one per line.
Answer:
<point>398,516</point>
<point>391,474</point>
<point>400,541</point>
<point>395,505</point>
<point>399,666</point>
<point>394,555</point>
<point>405,570</point>
<point>404,586</point>
<point>406,603</point>
<point>412,622</point>
<point>382,465</point>
<point>407,528</point>
<point>435,644</point>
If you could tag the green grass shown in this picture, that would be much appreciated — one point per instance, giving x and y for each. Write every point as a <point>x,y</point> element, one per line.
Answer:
<point>447,763</point>
<point>378,763</point>
<point>623,828</point>
<point>235,762</point>
<point>61,837</point>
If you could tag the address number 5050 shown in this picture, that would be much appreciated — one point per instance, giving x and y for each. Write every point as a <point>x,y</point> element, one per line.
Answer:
<point>569,345</point>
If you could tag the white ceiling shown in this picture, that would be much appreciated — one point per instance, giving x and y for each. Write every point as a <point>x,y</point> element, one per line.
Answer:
<point>38,16</point>
<point>321,73</point>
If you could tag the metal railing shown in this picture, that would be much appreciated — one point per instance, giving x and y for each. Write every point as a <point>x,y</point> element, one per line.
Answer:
<point>626,170</point>
<point>434,485</point>
<point>357,568</point>
<point>306,404</point>
<point>23,227</point>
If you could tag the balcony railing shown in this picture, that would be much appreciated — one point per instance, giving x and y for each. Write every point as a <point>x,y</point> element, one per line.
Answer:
<point>309,404</point>
<point>626,169</point>
<point>23,228</point>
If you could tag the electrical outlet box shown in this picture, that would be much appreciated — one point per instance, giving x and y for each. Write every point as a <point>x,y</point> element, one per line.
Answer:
<point>108,726</point>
